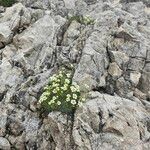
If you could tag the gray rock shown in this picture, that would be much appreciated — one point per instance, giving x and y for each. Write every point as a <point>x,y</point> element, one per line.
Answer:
<point>93,62</point>
<point>4,144</point>
<point>5,33</point>
<point>119,57</point>
<point>98,122</point>
<point>111,55</point>
<point>31,126</point>
<point>123,87</point>
<point>72,33</point>
<point>15,127</point>
<point>60,130</point>
<point>3,121</point>
<point>30,39</point>
<point>2,9</point>
<point>134,77</point>
<point>140,95</point>
<point>136,64</point>
<point>145,82</point>
<point>18,141</point>
<point>13,18</point>
<point>114,70</point>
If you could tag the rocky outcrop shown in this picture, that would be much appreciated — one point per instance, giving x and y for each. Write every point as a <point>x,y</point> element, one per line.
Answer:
<point>104,122</point>
<point>111,57</point>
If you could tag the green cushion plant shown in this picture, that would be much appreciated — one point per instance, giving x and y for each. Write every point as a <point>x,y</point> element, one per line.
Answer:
<point>86,20</point>
<point>7,3</point>
<point>61,94</point>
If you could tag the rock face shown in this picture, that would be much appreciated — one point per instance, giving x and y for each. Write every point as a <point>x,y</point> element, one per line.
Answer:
<point>4,144</point>
<point>110,122</point>
<point>112,66</point>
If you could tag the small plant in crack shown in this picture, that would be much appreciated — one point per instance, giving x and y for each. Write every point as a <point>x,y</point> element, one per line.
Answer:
<point>7,3</point>
<point>86,20</point>
<point>61,94</point>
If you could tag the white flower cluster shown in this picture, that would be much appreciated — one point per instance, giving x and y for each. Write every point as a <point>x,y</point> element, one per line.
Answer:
<point>61,92</point>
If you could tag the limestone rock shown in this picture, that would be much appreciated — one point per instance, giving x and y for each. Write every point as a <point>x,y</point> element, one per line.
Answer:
<point>110,59</point>
<point>3,121</point>
<point>15,128</point>
<point>17,141</point>
<point>72,33</point>
<point>98,122</point>
<point>93,62</point>
<point>114,70</point>
<point>134,77</point>
<point>123,87</point>
<point>5,33</point>
<point>60,131</point>
<point>43,30</point>
<point>12,19</point>
<point>2,9</point>
<point>4,144</point>
<point>145,79</point>
<point>119,57</point>
<point>140,95</point>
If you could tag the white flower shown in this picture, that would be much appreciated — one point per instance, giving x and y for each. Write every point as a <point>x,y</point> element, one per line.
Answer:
<point>54,98</point>
<point>68,75</point>
<point>53,78</point>
<point>75,96</point>
<point>73,89</point>
<point>80,104</point>
<point>42,98</point>
<point>57,88</point>
<point>46,87</point>
<point>73,102</point>
<point>67,81</point>
<point>40,101</point>
<point>67,99</point>
<point>65,85</point>
<point>77,88</point>
<point>55,85</point>
<point>58,103</point>
<point>45,94</point>
<point>54,91</point>
<point>60,74</point>
<point>83,99</point>
<point>68,95</point>
<point>64,88</point>
<point>49,103</point>
<point>58,80</point>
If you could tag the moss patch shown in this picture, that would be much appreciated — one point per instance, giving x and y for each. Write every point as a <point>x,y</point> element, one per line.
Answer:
<point>86,20</point>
